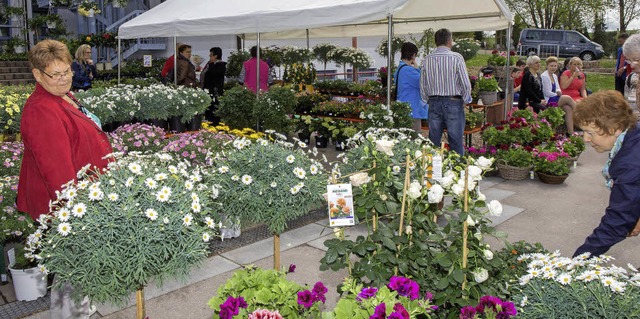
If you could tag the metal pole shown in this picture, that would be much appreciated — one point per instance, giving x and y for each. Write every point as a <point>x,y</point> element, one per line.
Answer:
<point>508,92</point>
<point>175,60</point>
<point>389,75</point>
<point>258,66</point>
<point>119,58</point>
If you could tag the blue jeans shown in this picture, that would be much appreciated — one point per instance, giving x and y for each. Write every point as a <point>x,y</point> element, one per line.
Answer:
<point>447,113</point>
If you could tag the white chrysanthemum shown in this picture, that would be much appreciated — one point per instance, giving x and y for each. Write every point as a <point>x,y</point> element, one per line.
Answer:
<point>294,190</point>
<point>396,169</point>
<point>618,287</point>
<point>79,210</point>
<point>128,182</point>
<point>151,183</point>
<point>534,272</point>
<point>43,269</point>
<point>223,169</point>
<point>83,184</point>
<point>274,185</point>
<point>235,178</point>
<point>206,237</point>
<point>160,177</point>
<point>587,276</point>
<point>151,213</point>
<point>291,159</point>
<point>195,207</point>
<point>64,229</point>
<point>135,168</point>
<point>162,197</point>
<point>166,190</point>
<point>246,179</point>
<point>608,281</point>
<point>113,197</point>
<point>187,219</point>
<point>524,280</point>
<point>63,214</point>
<point>549,274</point>
<point>70,193</point>
<point>299,172</point>
<point>188,185</point>
<point>313,170</point>
<point>210,222</point>
<point>96,194</point>
<point>95,185</point>
<point>564,278</point>
<point>173,169</point>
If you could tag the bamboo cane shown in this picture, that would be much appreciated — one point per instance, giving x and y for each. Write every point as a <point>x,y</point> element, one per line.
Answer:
<point>374,218</point>
<point>276,252</point>
<point>465,226</point>
<point>407,181</point>
<point>140,311</point>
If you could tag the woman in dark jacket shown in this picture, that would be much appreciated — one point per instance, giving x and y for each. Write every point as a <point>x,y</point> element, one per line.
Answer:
<point>609,125</point>
<point>83,69</point>
<point>213,81</point>
<point>531,87</point>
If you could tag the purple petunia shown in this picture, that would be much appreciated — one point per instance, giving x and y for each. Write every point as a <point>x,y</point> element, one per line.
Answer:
<point>367,293</point>
<point>305,298</point>
<point>380,312</point>
<point>292,268</point>
<point>318,292</point>
<point>468,312</point>
<point>405,287</point>
<point>488,302</point>
<point>231,307</point>
<point>398,308</point>
<point>508,310</point>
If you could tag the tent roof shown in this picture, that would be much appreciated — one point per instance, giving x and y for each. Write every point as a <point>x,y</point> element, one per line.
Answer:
<point>215,17</point>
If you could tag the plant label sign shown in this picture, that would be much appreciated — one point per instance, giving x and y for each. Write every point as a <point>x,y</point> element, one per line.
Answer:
<point>146,60</point>
<point>340,198</point>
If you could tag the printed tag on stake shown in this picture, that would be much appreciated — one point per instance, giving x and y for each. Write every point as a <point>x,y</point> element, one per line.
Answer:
<point>340,198</point>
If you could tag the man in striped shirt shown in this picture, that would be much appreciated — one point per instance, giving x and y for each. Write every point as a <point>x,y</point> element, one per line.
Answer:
<point>444,84</point>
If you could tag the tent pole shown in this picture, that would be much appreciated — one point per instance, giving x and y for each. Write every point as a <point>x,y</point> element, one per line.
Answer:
<point>258,66</point>
<point>119,58</point>
<point>389,74</point>
<point>175,60</point>
<point>308,46</point>
<point>508,92</point>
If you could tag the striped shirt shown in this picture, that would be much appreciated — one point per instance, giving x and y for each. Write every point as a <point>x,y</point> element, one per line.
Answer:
<point>444,73</point>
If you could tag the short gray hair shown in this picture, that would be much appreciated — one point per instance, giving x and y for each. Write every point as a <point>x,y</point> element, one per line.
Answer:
<point>531,60</point>
<point>632,45</point>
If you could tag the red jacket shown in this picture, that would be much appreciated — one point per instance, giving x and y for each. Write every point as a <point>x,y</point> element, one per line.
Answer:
<point>58,141</point>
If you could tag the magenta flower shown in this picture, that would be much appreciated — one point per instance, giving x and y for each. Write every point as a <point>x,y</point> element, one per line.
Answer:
<point>319,290</point>
<point>468,312</point>
<point>292,268</point>
<point>367,293</point>
<point>488,302</point>
<point>405,287</point>
<point>380,312</point>
<point>398,308</point>
<point>231,307</point>
<point>305,298</point>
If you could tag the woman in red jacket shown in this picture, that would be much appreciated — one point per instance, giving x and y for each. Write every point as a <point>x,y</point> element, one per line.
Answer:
<point>60,137</point>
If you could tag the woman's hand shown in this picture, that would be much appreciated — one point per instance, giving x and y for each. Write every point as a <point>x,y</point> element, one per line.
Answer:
<point>635,231</point>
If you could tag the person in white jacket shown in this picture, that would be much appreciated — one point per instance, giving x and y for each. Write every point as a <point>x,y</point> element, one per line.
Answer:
<point>553,93</point>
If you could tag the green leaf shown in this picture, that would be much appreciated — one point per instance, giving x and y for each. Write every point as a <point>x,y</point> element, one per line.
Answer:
<point>458,275</point>
<point>442,283</point>
<point>388,243</point>
<point>331,257</point>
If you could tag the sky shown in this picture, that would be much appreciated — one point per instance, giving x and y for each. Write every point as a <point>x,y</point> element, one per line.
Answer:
<point>613,25</point>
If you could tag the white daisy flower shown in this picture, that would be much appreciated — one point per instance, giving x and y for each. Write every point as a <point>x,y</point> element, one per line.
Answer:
<point>313,170</point>
<point>135,168</point>
<point>162,197</point>
<point>128,182</point>
<point>195,206</point>
<point>187,219</point>
<point>300,173</point>
<point>206,237</point>
<point>173,169</point>
<point>165,220</point>
<point>534,272</point>
<point>210,222</point>
<point>64,229</point>
<point>274,185</point>
<point>223,169</point>
<point>587,276</point>
<point>43,269</point>
<point>608,281</point>
<point>246,179</point>
<point>549,274</point>
<point>70,193</point>
<point>188,185</point>
<point>291,159</point>
<point>618,287</point>
<point>96,194</point>
<point>79,210</point>
<point>215,192</point>
<point>564,278</point>
<point>235,178</point>
<point>396,169</point>
<point>83,184</point>
<point>161,176</point>
<point>294,190</point>
<point>151,214</point>
<point>113,197</point>
<point>151,183</point>
<point>524,280</point>
<point>64,214</point>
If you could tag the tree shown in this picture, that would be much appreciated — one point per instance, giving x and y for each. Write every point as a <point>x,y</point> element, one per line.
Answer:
<point>552,14</point>
<point>628,10</point>
<point>321,52</point>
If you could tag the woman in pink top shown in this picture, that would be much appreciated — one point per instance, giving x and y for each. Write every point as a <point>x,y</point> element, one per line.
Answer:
<point>248,73</point>
<point>573,82</point>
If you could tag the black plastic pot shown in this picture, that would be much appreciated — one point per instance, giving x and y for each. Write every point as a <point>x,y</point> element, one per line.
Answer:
<point>195,124</point>
<point>176,125</point>
<point>321,141</point>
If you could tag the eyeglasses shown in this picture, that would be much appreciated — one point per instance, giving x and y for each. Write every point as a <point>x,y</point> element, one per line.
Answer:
<point>633,60</point>
<point>58,76</point>
<point>87,52</point>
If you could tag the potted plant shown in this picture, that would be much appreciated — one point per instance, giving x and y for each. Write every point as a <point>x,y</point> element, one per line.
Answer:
<point>473,119</point>
<point>552,167</point>
<point>28,281</point>
<point>488,89</point>
<point>236,108</point>
<point>88,8</point>
<point>119,3</point>
<point>15,45</point>
<point>273,109</point>
<point>13,12</point>
<point>515,162</point>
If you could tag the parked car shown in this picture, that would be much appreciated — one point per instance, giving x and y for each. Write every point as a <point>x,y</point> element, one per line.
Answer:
<point>561,43</point>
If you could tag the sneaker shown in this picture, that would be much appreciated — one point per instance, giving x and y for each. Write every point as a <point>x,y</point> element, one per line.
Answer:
<point>92,310</point>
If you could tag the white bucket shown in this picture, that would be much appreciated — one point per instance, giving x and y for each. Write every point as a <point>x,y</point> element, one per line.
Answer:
<point>28,283</point>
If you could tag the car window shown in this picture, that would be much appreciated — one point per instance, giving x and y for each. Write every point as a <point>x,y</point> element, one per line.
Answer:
<point>533,35</point>
<point>552,36</point>
<point>573,37</point>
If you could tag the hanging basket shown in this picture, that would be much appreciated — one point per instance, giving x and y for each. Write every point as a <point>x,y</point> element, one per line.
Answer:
<point>488,98</point>
<point>512,172</point>
<point>551,179</point>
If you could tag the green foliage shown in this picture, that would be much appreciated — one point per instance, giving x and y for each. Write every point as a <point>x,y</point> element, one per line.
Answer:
<point>321,52</point>
<point>293,54</point>
<point>273,109</point>
<point>553,115</point>
<point>236,108</point>
<point>308,100</point>
<point>114,233</point>
<point>383,116</point>
<point>473,119</point>
<point>466,47</point>
<point>263,289</point>
<point>516,156</point>
<point>267,182</point>
<point>486,84</point>
<point>499,58</point>
<point>396,45</point>
<point>560,287</point>
<point>12,99</point>
<point>235,61</point>
<point>13,224</point>
<point>553,163</point>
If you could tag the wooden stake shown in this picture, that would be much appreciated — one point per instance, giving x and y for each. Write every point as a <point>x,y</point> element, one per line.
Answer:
<point>465,226</point>
<point>140,311</point>
<point>276,252</point>
<point>374,218</point>
<point>407,181</point>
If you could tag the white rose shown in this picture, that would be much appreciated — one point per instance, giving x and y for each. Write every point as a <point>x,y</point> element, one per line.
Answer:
<point>418,154</point>
<point>471,184</point>
<point>475,172</point>
<point>385,146</point>
<point>488,254</point>
<point>447,180</point>
<point>359,179</point>
<point>484,163</point>
<point>470,221</point>
<point>495,208</point>
<point>435,194</point>
<point>478,235</point>
<point>415,190</point>
<point>457,189</point>
<point>481,196</point>
<point>480,275</point>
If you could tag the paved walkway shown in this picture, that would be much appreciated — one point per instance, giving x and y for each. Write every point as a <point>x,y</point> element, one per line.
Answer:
<point>558,216</point>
